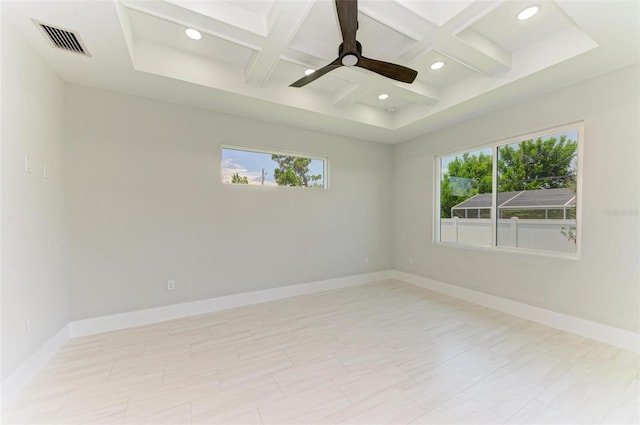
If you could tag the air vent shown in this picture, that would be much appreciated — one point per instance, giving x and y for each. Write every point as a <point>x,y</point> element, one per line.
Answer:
<point>63,38</point>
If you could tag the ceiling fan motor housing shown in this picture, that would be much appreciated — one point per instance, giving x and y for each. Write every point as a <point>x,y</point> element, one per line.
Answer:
<point>352,55</point>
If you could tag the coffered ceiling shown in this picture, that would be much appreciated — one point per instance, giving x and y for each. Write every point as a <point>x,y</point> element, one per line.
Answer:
<point>251,50</point>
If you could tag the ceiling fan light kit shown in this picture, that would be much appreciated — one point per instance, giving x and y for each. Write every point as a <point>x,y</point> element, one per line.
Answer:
<point>349,60</point>
<point>350,51</point>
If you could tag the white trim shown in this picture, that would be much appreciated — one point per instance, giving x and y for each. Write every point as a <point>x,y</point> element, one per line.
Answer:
<point>25,373</point>
<point>272,151</point>
<point>153,315</point>
<point>587,328</point>
<point>15,382</point>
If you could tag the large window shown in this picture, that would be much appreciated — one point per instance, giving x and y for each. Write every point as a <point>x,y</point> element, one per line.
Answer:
<point>519,194</point>
<point>268,168</point>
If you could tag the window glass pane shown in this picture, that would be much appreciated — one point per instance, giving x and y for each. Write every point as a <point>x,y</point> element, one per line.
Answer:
<point>241,166</point>
<point>537,181</point>
<point>465,198</point>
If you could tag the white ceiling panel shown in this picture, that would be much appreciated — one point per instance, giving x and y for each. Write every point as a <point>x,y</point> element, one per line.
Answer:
<point>380,41</point>
<point>451,72</point>
<point>319,34</point>
<point>259,7</point>
<point>252,50</point>
<point>501,27</point>
<point>173,35</point>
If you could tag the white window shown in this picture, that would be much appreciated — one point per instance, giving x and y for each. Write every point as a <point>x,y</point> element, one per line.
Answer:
<point>520,194</point>
<point>270,168</point>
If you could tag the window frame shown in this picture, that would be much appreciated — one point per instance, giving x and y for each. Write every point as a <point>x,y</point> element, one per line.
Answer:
<point>324,159</point>
<point>494,247</point>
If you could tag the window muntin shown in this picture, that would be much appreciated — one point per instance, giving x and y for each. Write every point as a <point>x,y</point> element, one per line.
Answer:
<point>271,168</point>
<point>532,204</point>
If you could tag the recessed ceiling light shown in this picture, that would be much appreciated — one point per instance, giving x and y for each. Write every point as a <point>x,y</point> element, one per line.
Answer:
<point>383,96</point>
<point>437,65</point>
<point>193,34</point>
<point>309,71</point>
<point>392,109</point>
<point>528,13</point>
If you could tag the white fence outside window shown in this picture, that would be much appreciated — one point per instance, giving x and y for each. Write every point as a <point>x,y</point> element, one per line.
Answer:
<point>515,233</point>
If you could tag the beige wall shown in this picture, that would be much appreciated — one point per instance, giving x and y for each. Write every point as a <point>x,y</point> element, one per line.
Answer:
<point>34,274</point>
<point>146,204</point>
<point>604,285</point>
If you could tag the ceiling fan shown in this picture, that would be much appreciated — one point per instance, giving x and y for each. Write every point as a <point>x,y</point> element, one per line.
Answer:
<point>350,51</point>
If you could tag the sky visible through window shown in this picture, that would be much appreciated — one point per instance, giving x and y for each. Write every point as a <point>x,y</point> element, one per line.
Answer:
<point>251,164</point>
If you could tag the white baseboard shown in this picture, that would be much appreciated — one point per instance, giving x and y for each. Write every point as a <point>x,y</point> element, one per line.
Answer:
<point>14,383</point>
<point>25,373</point>
<point>153,315</point>
<point>587,328</point>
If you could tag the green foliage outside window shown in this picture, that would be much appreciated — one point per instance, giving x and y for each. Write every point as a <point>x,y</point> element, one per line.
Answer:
<point>238,179</point>
<point>537,164</point>
<point>529,165</point>
<point>466,176</point>
<point>294,171</point>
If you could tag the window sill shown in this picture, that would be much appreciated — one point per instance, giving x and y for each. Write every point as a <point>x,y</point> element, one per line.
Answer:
<point>517,251</point>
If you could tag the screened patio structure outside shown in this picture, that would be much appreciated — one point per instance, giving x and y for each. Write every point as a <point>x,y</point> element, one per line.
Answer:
<point>527,204</point>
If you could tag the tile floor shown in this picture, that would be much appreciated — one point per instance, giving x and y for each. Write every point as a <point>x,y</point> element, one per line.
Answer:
<point>382,353</point>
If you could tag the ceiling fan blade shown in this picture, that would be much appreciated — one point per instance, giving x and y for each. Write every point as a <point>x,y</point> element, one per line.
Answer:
<point>348,18</point>
<point>390,70</point>
<point>350,51</point>
<point>317,74</point>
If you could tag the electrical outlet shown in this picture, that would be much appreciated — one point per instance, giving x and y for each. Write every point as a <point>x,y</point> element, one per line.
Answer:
<point>28,326</point>
<point>45,171</point>
<point>366,260</point>
<point>171,285</point>
<point>410,260</point>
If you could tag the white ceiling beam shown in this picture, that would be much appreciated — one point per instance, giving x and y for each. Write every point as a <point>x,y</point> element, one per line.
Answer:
<point>485,46</point>
<point>261,65</point>
<point>463,41</point>
<point>457,40</point>
<point>281,31</point>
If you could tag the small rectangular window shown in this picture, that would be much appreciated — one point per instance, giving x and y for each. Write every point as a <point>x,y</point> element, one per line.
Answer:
<point>269,168</point>
<point>527,199</point>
